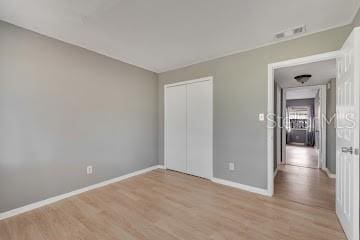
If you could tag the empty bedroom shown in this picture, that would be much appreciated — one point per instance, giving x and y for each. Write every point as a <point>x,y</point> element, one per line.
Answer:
<point>163,119</point>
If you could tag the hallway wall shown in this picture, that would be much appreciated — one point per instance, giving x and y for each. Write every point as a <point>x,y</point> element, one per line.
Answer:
<point>330,128</point>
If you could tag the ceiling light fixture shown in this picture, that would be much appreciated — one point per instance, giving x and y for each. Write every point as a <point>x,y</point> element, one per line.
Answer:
<point>303,78</point>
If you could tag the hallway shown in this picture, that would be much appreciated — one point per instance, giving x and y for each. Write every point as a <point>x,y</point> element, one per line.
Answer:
<point>300,180</point>
<point>301,156</point>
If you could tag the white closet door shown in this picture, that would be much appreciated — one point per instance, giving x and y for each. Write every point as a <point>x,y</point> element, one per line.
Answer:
<point>176,128</point>
<point>199,121</point>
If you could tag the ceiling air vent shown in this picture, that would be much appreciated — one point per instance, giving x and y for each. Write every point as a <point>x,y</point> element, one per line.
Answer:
<point>299,30</point>
<point>280,35</point>
<point>290,32</point>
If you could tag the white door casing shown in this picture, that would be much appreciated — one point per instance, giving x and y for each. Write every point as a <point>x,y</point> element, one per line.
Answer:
<point>347,136</point>
<point>278,125</point>
<point>283,129</point>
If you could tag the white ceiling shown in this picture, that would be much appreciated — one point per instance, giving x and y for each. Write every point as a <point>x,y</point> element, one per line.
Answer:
<point>301,93</point>
<point>160,35</point>
<point>321,73</point>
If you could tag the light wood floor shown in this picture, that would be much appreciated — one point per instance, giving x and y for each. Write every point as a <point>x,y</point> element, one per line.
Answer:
<point>305,185</point>
<point>168,205</point>
<point>302,156</point>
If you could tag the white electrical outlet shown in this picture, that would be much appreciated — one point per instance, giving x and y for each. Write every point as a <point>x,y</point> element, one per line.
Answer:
<point>89,170</point>
<point>231,166</point>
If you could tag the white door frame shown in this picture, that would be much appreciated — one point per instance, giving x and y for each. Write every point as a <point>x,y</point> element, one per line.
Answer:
<point>278,127</point>
<point>270,108</point>
<point>210,79</point>
<point>322,149</point>
<point>283,131</point>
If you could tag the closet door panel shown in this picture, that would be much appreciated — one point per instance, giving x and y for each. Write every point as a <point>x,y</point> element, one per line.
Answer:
<point>199,118</point>
<point>176,128</point>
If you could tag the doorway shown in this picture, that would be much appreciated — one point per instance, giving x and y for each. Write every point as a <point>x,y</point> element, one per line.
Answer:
<point>302,132</point>
<point>304,117</point>
<point>300,176</point>
<point>346,132</point>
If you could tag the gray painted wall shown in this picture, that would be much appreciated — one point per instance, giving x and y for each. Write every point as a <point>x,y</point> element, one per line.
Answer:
<point>330,128</point>
<point>62,108</point>
<point>240,94</point>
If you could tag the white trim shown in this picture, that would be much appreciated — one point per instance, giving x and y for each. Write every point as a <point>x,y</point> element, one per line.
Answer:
<point>305,60</point>
<point>241,186</point>
<point>278,125</point>
<point>328,173</point>
<point>317,87</point>
<point>164,126</point>
<point>270,132</point>
<point>323,96</point>
<point>283,132</point>
<point>270,106</point>
<point>48,201</point>
<point>210,79</point>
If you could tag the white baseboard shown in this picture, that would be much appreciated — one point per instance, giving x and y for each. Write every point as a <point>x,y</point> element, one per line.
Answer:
<point>241,186</point>
<point>329,174</point>
<point>48,201</point>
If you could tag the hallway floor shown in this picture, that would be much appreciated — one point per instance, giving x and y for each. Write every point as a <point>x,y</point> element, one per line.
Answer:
<point>301,156</point>
<point>307,186</point>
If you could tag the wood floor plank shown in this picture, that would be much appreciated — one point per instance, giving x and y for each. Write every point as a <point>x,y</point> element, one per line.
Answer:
<point>168,205</point>
<point>305,185</point>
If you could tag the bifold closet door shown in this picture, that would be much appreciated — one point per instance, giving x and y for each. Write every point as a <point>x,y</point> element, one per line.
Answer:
<point>199,128</point>
<point>176,128</point>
